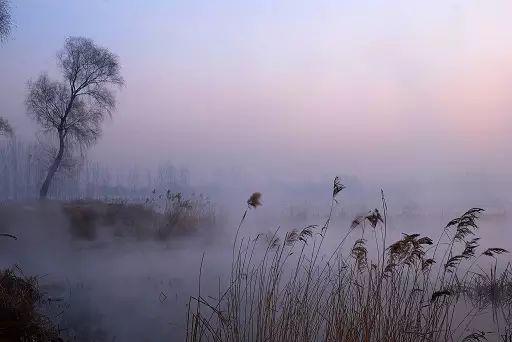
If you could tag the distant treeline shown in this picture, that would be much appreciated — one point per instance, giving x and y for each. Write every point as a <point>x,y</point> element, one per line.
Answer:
<point>23,166</point>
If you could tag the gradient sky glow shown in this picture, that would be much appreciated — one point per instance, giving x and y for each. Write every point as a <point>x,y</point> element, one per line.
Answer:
<point>307,88</point>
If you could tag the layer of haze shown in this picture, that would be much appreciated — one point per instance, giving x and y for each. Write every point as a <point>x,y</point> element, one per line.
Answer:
<point>290,89</point>
<point>270,96</point>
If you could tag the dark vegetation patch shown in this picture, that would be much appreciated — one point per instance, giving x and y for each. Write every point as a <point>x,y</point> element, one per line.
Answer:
<point>87,218</point>
<point>20,310</point>
<point>163,217</point>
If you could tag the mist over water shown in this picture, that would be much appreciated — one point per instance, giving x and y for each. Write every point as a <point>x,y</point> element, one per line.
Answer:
<point>129,289</point>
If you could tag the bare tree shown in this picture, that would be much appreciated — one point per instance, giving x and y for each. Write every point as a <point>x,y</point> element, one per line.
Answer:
<point>5,29</point>
<point>74,109</point>
<point>5,19</point>
<point>5,127</point>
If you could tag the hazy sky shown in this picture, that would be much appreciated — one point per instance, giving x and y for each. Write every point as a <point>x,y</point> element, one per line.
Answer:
<point>397,89</point>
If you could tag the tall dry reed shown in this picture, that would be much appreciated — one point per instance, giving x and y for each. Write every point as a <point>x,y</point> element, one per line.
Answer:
<point>407,290</point>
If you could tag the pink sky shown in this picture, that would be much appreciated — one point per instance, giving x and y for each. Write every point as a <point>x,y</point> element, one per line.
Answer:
<point>369,88</point>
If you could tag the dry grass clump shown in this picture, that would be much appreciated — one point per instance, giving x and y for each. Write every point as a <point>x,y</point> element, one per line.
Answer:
<point>20,317</point>
<point>183,216</point>
<point>255,200</point>
<point>161,217</point>
<point>283,289</point>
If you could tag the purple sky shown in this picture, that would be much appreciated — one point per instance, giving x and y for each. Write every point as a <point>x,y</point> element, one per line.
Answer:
<point>400,89</point>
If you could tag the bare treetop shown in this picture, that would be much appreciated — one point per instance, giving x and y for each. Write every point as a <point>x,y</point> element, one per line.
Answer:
<point>5,19</point>
<point>88,67</point>
<point>78,106</point>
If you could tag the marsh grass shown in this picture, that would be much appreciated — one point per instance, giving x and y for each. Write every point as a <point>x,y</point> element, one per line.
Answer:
<point>283,288</point>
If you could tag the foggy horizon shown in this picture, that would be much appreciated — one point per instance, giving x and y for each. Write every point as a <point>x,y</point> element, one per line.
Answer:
<point>291,91</point>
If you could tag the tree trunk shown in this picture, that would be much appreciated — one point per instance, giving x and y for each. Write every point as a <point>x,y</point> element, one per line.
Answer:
<point>43,193</point>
